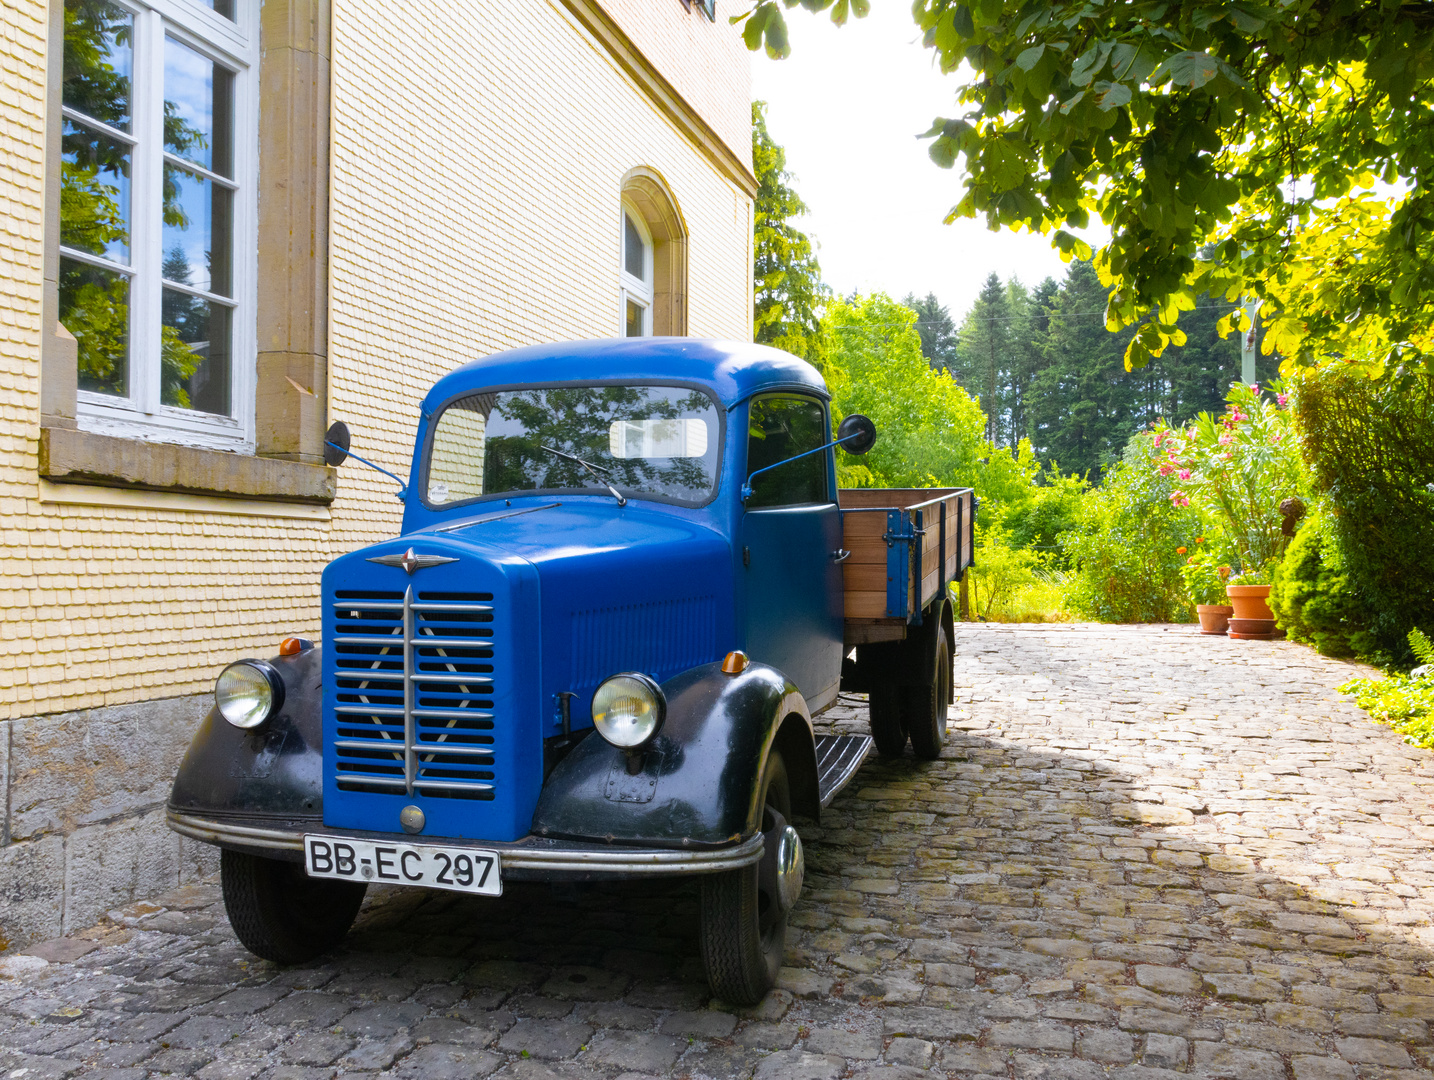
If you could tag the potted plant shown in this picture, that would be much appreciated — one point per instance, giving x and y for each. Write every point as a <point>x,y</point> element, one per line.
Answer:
<point>1205,580</point>
<point>1249,593</point>
<point>1238,468</point>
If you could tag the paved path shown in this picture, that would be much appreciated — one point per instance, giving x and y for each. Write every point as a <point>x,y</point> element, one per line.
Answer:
<point>1145,855</point>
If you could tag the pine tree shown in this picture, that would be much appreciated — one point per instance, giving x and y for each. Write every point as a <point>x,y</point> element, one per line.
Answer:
<point>983,349</point>
<point>938,332</point>
<point>787,280</point>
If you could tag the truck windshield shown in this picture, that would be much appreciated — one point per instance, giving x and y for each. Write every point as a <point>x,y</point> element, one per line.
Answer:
<point>654,442</point>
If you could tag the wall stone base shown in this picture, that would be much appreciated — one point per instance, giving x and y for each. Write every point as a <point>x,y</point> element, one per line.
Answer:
<point>84,827</point>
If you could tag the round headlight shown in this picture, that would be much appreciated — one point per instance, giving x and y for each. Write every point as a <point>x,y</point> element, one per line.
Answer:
<point>248,692</point>
<point>628,710</point>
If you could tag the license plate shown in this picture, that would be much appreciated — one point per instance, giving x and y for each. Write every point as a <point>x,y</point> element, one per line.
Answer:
<point>461,869</point>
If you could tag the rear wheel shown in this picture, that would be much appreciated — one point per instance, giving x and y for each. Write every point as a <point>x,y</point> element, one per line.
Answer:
<point>883,711</point>
<point>744,912</point>
<point>925,707</point>
<point>280,913</point>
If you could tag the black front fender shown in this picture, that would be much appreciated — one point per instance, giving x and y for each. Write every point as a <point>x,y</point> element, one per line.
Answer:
<point>697,784</point>
<point>276,773</point>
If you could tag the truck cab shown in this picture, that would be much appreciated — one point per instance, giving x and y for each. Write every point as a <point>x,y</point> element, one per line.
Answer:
<point>618,599</point>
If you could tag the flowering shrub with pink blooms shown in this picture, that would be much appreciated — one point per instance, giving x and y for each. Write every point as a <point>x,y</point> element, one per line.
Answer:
<point>1234,470</point>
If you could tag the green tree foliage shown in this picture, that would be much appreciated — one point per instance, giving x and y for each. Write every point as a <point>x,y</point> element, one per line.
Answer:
<point>1231,148</point>
<point>985,347</point>
<point>938,332</point>
<point>789,293</point>
<point>929,431</point>
<point>1123,548</point>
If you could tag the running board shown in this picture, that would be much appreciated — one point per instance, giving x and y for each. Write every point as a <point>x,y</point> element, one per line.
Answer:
<point>838,758</point>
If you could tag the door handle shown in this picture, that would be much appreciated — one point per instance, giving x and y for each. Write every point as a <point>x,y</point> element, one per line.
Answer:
<point>840,555</point>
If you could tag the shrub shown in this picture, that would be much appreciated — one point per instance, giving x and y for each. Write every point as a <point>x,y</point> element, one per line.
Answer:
<point>1311,596</point>
<point>1000,571</point>
<point>1052,507</point>
<point>1126,568</point>
<point>1369,445</point>
<point>1404,702</point>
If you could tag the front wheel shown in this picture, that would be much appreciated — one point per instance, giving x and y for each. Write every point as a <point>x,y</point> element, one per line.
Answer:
<point>280,913</point>
<point>883,713</point>
<point>925,706</point>
<point>744,912</point>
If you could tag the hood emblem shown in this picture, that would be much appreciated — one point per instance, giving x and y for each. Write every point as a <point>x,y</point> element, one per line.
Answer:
<point>411,562</point>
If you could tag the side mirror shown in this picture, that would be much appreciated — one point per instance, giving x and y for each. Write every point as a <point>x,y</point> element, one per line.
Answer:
<point>336,444</point>
<point>856,434</point>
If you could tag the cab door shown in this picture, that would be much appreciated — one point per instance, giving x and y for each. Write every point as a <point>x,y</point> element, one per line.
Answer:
<point>791,546</point>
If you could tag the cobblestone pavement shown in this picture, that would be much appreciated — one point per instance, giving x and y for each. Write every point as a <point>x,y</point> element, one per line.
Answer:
<point>1145,854</point>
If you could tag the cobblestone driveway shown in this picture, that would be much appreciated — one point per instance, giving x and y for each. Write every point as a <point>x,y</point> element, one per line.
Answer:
<point>1145,854</point>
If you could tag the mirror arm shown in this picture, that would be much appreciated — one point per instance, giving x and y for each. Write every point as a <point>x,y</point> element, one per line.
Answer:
<point>402,487</point>
<point>747,487</point>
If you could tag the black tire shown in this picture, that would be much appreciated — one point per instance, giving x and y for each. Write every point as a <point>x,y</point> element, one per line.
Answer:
<point>883,713</point>
<point>743,929</point>
<point>280,913</point>
<point>924,707</point>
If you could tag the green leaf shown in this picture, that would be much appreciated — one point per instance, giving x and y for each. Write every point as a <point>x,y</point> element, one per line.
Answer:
<point>756,25</point>
<point>1191,68</point>
<point>1112,95</point>
<point>1030,57</point>
<point>943,152</point>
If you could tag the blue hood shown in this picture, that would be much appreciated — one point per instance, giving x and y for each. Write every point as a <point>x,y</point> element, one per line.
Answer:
<point>556,599</point>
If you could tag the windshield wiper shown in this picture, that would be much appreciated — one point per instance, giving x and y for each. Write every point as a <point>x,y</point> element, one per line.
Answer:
<point>590,467</point>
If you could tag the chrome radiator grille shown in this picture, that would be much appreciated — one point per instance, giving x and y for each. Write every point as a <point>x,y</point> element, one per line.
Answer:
<point>414,693</point>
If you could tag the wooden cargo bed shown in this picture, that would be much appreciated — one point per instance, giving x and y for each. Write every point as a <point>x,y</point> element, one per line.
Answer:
<point>907,545</point>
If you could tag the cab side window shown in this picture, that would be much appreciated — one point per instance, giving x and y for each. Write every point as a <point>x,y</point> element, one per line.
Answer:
<point>779,426</point>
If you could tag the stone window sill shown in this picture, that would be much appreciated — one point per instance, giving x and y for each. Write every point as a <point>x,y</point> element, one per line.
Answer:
<point>84,457</point>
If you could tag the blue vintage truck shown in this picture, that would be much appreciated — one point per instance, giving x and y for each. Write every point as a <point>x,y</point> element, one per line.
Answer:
<point>626,583</point>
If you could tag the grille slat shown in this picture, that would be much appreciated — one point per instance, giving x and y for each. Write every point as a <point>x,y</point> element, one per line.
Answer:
<point>427,725</point>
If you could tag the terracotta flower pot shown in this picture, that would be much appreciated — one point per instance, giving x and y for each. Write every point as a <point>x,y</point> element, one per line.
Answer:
<point>1214,618</point>
<point>1253,629</point>
<point>1250,601</point>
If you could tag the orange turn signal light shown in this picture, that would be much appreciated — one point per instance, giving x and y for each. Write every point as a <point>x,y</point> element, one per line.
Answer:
<point>735,662</point>
<point>292,646</point>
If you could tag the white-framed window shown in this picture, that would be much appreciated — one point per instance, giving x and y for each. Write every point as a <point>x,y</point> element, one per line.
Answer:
<point>158,216</point>
<point>635,290</point>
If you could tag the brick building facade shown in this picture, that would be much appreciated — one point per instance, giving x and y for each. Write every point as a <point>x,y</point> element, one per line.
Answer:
<point>367,196</point>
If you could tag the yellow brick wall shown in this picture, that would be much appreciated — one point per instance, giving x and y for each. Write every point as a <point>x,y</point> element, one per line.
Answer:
<point>477,155</point>
<point>704,60</point>
<point>515,239</point>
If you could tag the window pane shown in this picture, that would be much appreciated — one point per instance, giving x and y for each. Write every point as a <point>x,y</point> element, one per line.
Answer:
<point>99,60</point>
<point>94,192</point>
<point>455,472</point>
<point>635,320</point>
<point>94,306</point>
<point>198,225</point>
<point>219,7</point>
<point>499,443</point>
<point>779,428</point>
<point>634,259</point>
<point>194,353</point>
<point>198,108</point>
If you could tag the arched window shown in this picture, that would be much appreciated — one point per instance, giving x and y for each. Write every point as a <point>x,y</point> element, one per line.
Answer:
<point>636,290</point>
<point>653,289</point>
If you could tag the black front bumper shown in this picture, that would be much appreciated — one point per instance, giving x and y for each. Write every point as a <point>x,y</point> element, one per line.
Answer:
<point>531,858</point>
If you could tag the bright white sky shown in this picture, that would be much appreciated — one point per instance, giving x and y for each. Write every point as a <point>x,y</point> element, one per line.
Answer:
<point>847,106</point>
